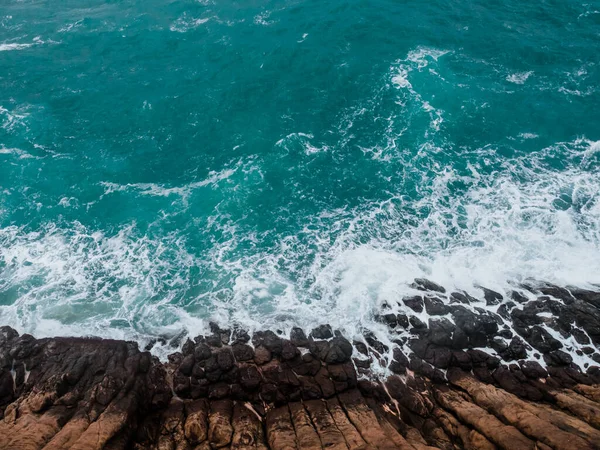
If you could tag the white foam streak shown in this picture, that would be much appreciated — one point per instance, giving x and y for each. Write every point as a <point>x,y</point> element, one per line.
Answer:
<point>13,46</point>
<point>519,77</point>
<point>422,55</point>
<point>185,23</point>
<point>303,140</point>
<point>21,154</point>
<point>264,18</point>
<point>416,61</point>
<point>528,136</point>
<point>158,190</point>
<point>12,118</point>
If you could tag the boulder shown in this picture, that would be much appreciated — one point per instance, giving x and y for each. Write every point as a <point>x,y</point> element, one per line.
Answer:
<point>424,284</point>
<point>322,332</point>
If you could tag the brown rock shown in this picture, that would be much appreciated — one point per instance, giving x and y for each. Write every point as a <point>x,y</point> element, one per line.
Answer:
<point>537,421</point>
<point>470,439</point>
<point>242,352</point>
<point>365,421</point>
<point>504,436</point>
<point>280,430</point>
<point>196,421</point>
<point>220,430</point>
<point>351,435</point>
<point>306,436</point>
<point>247,429</point>
<point>262,355</point>
<point>580,406</point>
<point>327,430</point>
<point>325,383</point>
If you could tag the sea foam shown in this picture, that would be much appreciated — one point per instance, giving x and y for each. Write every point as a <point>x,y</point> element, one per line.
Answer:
<point>460,215</point>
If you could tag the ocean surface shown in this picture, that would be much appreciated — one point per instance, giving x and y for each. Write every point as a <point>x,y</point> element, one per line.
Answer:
<point>280,163</point>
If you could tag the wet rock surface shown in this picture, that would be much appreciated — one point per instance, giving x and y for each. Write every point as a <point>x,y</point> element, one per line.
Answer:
<point>516,370</point>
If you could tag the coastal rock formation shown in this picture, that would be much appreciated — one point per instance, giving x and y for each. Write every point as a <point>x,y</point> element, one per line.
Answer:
<point>458,377</point>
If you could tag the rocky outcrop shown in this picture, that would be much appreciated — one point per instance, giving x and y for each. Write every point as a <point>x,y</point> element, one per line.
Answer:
<point>459,376</point>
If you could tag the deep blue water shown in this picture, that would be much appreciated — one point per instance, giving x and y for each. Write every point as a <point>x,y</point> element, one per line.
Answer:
<point>291,162</point>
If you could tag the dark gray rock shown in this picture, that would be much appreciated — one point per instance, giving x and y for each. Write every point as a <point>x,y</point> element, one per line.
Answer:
<point>188,348</point>
<point>558,358</point>
<point>515,350</point>
<point>262,355</point>
<point>424,284</point>
<point>289,351</point>
<point>478,327</point>
<point>533,370</point>
<point>202,352</point>
<point>374,343</point>
<point>298,338</point>
<point>389,319</point>
<point>541,340</point>
<point>249,377</point>
<point>239,336</point>
<point>360,347</point>
<point>340,351</point>
<point>402,320</point>
<point>492,297</point>
<point>242,352</point>
<point>399,362</point>
<point>269,340</point>
<point>417,323</point>
<point>441,332</point>
<point>461,297</point>
<point>518,297</point>
<point>322,332</point>
<point>414,303</point>
<point>187,364</point>
<point>435,306</point>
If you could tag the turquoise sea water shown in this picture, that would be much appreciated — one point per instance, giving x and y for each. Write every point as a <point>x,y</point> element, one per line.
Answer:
<point>270,163</point>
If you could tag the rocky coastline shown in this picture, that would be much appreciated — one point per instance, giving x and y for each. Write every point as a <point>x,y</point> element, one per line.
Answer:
<point>497,372</point>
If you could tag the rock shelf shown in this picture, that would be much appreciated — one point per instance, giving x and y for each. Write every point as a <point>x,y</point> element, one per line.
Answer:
<point>518,372</point>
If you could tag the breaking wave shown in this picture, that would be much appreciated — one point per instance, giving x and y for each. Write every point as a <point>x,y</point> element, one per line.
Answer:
<point>463,215</point>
